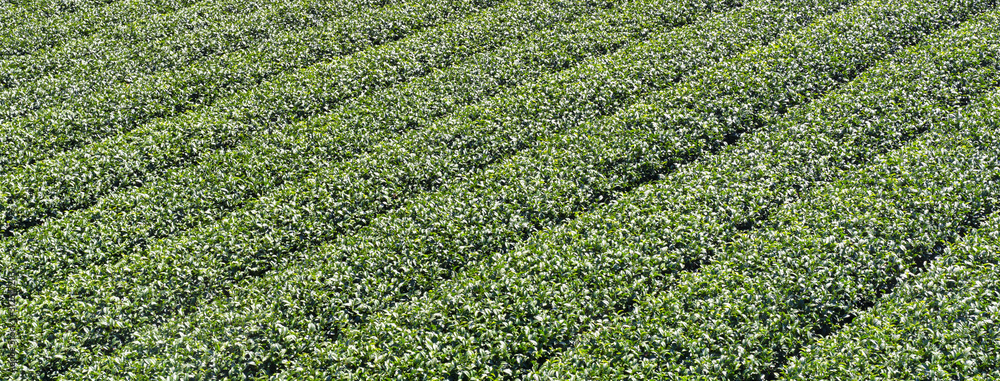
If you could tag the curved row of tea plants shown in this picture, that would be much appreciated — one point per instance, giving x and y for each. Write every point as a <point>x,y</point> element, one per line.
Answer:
<point>470,200</point>
<point>106,65</point>
<point>271,210</point>
<point>411,249</point>
<point>154,43</point>
<point>818,263</point>
<point>938,324</point>
<point>78,179</point>
<point>194,196</point>
<point>97,335</point>
<point>514,310</point>
<point>13,10</point>
<point>527,104</point>
<point>234,239</point>
<point>30,29</point>
<point>119,109</point>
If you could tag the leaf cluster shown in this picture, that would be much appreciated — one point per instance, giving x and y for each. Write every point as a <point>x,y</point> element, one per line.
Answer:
<point>819,263</point>
<point>233,236</point>
<point>78,178</point>
<point>115,82</point>
<point>36,25</point>
<point>938,324</point>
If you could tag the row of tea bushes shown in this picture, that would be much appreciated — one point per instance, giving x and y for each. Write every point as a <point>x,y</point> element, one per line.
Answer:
<point>817,264</point>
<point>939,324</point>
<point>78,179</point>
<point>260,237</point>
<point>512,311</point>
<point>117,110</point>
<point>13,10</point>
<point>109,63</point>
<point>194,196</point>
<point>94,333</point>
<point>429,236</point>
<point>31,26</point>
<point>157,42</point>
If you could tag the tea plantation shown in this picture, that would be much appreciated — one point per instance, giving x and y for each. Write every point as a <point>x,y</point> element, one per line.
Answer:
<point>500,189</point>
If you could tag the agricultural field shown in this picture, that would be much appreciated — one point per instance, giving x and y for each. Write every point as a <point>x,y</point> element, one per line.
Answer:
<point>500,189</point>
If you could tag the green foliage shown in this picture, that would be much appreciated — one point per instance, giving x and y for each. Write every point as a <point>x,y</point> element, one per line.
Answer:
<point>108,62</point>
<point>483,214</point>
<point>300,223</point>
<point>252,49</point>
<point>198,195</point>
<point>158,42</point>
<point>202,331</point>
<point>232,77</point>
<point>35,25</point>
<point>938,324</point>
<point>494,189</point>
<point>815,266</point>
<point>79,178</point>
<point>514,310</point>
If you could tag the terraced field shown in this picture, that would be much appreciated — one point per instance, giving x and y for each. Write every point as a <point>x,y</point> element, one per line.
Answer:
<point>499,189</point>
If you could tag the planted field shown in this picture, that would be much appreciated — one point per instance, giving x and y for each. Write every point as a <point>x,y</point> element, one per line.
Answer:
<point>500,189</point>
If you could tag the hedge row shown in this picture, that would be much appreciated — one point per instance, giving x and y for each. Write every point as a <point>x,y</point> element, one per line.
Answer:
<point>256,238</point>
<point>48,24</point>
<point>818,264</point>
<point>78,179</point>
<point>111,62</point>
<point>471,218</point>
<point>115,110</point>
<point>98,334</point>
<point>940,324</point>
<point>148,44</point>
<point>512,311</point>
<point>13,10</point>
<point>199,195</point>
